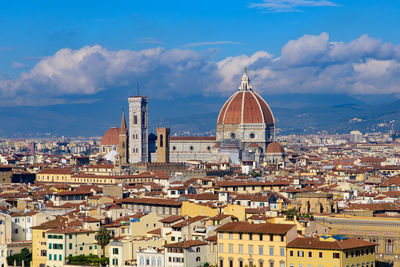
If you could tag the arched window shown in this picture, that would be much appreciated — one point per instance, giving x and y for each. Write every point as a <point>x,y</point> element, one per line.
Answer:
<point>153,261</point>
<point>134,119</point>
<point>161,140</point>
<point>158,261</point>
<point>198,249</point>
<point>141,260</point>
<point>198,259</point>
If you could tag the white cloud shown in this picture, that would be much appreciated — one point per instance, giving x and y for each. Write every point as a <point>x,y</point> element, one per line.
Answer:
<point>290,5</point>
<point>312,63</point>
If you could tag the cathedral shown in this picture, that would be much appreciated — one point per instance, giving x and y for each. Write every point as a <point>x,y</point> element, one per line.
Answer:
<point>245,133</point>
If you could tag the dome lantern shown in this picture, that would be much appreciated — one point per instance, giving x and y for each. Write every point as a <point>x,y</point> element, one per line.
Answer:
<point>245,85</point>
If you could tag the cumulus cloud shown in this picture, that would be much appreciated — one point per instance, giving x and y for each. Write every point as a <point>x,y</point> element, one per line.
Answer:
<point>92,69</point>
<point>309,64</point>
<point>289,5</point>
<point>314,64</point>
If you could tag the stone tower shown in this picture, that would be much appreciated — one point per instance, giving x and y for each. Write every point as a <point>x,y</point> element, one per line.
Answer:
<point>163,145</point>
<point>123,142</point>
<point>138,129</point>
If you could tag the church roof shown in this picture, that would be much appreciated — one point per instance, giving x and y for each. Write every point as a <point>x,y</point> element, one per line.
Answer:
<point>245,106</point>
<point>111,137</point>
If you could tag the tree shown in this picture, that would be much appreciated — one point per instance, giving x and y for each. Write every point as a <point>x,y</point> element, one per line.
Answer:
<point>103,238</point>
<point>25,256</point>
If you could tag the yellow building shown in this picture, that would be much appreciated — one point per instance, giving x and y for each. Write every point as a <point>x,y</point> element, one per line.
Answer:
<point>384,231</point>
<point>244,244</point>
<point>64,242</point>
<point>330,251</point>
<point>39,249</point>
<point>54,175</point>
<point>39,241</point>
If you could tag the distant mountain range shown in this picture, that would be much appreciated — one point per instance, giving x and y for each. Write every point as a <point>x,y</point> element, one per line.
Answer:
<point>294,113</point>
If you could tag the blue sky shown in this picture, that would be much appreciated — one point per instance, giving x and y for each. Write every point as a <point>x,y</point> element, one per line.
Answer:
<point>82,52</point>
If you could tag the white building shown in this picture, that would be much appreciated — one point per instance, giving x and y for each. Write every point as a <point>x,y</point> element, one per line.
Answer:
<point>150,257</point>
<point>191,253</point>
<point>356,137</point>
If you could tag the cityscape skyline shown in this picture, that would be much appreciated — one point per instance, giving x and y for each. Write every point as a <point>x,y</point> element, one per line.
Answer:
<point>88,61</point>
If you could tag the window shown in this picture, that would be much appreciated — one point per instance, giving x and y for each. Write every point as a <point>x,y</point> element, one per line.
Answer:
<point>240,236</point>
<point>230,235</point>
<point>282,238</point>
<point>250,249</point>
<point>261,237</point>
<point>230,248</point>
<point>291,253</point>
<point>336,255</point>
<point>198,259</point>
<point>221,235</point>
<point>260,250</point>
<point>282,251</point>
<point>70,245</point>
<point>300,253</point>
<point>221,248</point>
<point>49,257</point>
<point>271,237</point>
<point>271,251</point>
<point>198,249</point>
<point>240,249</point>
<point>60,257</point>
<point>310,254</point>
<point>320,254</point>
<point>250,236</point>
<point>134,119</point>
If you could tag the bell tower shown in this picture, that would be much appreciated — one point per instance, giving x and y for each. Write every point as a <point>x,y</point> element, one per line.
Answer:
<point>123,142</point>
<point>138,129</point>
<point>163,145</point>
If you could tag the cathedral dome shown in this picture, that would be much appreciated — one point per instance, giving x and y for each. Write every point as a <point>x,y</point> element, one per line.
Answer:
<point>111,137</point>
<point>245,107</point>
<point>275,148</point>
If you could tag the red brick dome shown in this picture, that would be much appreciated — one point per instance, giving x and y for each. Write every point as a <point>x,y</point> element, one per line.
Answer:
<point>245,107</point>
<point>275,148</point>
<point>111,137</point>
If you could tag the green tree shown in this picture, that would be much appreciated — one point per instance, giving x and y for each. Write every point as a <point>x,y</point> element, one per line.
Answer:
<point>25,256</point>
<point>103,238</point>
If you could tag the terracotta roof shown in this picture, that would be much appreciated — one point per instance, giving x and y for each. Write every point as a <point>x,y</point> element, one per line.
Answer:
<point>56,171</point>
<point>68,231</point>
<point>155,232</point>
<point>275,147</point>
<point>186,244</point>
<point>245,107</point>
<point>152,201</point>
<point>246,227</point>
<point>111,137</point>
<point>172,219</point>
<point>316,243</point>
<point>188,221</point>
<point>77,192</point>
